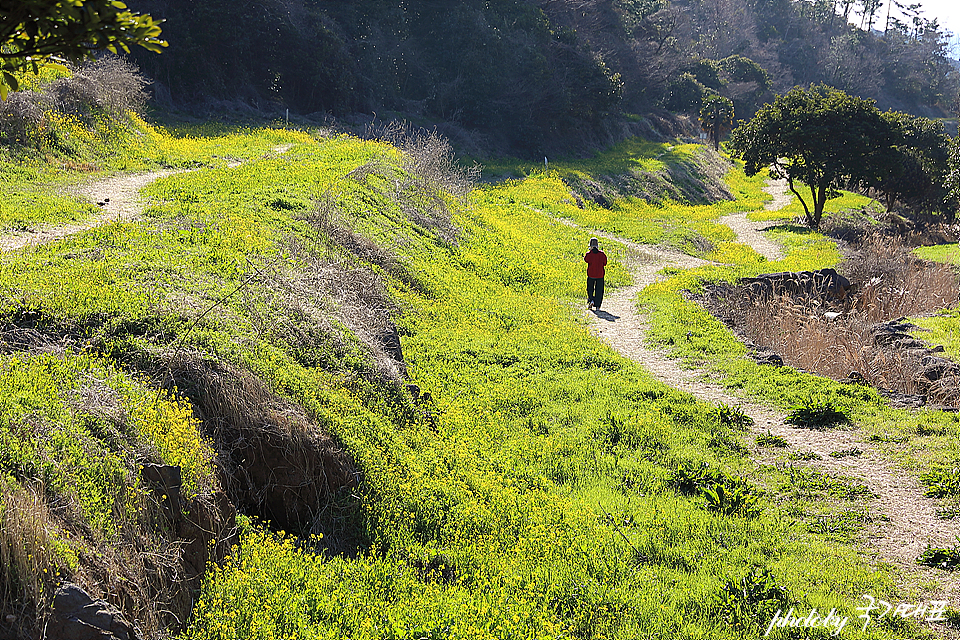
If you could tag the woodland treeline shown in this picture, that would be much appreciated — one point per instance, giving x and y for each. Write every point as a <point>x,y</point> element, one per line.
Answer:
<point>538,75</point>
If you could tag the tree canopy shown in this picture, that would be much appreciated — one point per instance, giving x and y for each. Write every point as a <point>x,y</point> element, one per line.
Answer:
<point>819,136</point>
<point>32,32</point>
<point>716,117</point>
<point>914,169</point>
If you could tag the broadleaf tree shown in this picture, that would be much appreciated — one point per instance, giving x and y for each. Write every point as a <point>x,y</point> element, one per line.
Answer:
<point>35,32</point>
<point>914,171</point>
<point>820,137</point>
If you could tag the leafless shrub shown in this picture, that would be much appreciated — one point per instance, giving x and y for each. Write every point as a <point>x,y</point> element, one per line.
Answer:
<point>430,175</point>
<point>945,392</point>
<point>311,304</point>
<point>20,116</point>
<point>111,84</point>
<point>836,348</point>
<point>429,156</point>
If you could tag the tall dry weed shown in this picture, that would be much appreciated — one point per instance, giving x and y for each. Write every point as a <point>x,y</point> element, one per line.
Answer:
<point>892,282</point>
<point>839,338</point>
<point>30,558</point>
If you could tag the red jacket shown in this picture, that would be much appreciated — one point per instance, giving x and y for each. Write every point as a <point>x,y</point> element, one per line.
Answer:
<point>595,260</point>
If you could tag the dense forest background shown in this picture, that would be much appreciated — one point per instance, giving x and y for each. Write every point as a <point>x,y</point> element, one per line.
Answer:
<point>540,75</point>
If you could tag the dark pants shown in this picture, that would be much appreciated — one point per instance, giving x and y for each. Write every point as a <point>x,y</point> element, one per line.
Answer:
<point>595,291</point>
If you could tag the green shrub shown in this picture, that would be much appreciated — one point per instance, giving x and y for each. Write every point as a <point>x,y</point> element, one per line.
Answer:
<point>940,557</point>
<point>769,440</point>
<point>753,598</point>
<point>941,483</point>
<point>816,414</point>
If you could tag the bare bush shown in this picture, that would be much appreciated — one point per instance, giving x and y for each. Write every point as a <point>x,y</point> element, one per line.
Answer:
<point>310,306</point>
<point>430,175</point>
<point>109,85</point>
<point>20,116</point>
<point>892,282</point>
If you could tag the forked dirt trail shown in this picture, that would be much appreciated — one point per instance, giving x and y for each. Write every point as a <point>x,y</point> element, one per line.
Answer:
<point>903,523</point>
<point>118,197</point>
<point>121,200</point>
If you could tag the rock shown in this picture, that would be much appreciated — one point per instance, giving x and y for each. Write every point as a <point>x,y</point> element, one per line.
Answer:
<point>890,339</point>
<point>772,359</point>
<point>166,481</point>
<point>389,341</point>
<point>904,400</point>
<point>823,282</point>
<point>855,377</point>
<point>935,368</point>
<point>77,616</point>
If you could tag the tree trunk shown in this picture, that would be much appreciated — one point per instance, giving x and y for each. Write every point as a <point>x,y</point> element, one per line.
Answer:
<point>819,200</point>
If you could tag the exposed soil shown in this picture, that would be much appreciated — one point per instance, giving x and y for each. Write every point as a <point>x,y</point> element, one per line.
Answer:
<point>903,521</point>
<point>750,232</point>
<point>118,197</point>
<point>121,200</point>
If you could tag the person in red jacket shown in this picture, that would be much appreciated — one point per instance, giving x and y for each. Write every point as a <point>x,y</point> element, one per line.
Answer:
<point>596,260</point>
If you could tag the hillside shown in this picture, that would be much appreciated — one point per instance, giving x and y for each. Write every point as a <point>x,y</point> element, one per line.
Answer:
<point>319,386</point>
<point>532,77</point>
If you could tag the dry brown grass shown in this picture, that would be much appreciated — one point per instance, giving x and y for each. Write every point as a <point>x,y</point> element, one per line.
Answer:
<point>29,562</point>
<point>892,283</point>
<point>275,461</point>
<point>838,348</point>
<point>838,339</point>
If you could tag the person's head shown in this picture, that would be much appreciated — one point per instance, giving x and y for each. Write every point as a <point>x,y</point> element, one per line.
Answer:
<point>594,244</point>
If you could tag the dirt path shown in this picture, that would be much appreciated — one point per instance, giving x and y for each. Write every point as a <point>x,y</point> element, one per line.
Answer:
<point>121,200</point>
<point>750,232</point>
<point>118,197</point>
<point>903,521</point>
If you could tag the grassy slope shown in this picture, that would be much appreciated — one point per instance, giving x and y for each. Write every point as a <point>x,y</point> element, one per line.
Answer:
<point>541,501</point>
<point>944,327</point>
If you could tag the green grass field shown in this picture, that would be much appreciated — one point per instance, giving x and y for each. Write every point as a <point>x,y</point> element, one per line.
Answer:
<point>555,490</point>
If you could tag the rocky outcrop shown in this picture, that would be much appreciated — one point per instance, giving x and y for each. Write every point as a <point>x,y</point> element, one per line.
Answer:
<point>75,615</point>
<point>824,283</point>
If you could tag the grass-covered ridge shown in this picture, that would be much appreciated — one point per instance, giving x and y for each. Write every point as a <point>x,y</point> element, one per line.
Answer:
<point>547,488</point>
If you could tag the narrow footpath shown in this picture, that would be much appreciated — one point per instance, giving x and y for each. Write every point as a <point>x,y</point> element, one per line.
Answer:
<point>118,197</point>
<point>903,521</point>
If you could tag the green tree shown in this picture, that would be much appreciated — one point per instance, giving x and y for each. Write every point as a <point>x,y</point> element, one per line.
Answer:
<point>32,32</point>
<point>820,136</point>
<point>914,170</point>
<point>952,182</point>
<point>716,117</point>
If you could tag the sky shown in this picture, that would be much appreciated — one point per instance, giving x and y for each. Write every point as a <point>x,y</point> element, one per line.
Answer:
<point>947,12</point>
